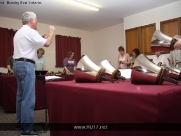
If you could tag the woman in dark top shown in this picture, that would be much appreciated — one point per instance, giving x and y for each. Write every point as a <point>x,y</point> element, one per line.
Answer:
<point>136,53</point>
<point>69,63</point>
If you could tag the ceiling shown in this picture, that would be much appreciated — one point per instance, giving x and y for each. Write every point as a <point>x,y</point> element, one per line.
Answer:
<point>61,13</point>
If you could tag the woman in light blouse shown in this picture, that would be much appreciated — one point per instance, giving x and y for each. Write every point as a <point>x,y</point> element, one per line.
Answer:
<point>123,59</point>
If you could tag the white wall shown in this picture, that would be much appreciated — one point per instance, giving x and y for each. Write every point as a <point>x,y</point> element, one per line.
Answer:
<point>107,42</point>
<point>86,40</point>
<point>156,15</point>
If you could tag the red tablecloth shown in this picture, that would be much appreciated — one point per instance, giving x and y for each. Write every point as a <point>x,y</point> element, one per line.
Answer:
<point>8,89</point>
<point>70,102</point>
<point>8,93</point>
<point>68,77</point>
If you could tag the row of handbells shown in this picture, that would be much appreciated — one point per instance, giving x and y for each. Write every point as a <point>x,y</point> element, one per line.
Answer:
<point>143,71</point>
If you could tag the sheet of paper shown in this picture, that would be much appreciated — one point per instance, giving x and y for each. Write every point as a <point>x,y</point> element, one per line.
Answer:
<point>52,77</point>
<point>125,73</point>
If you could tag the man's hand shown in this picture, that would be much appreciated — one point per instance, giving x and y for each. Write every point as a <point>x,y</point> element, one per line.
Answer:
<point>51,30</point>
<point>50,36</point>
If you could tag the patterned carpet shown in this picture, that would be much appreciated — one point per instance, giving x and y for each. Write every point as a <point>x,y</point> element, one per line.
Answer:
<point>6,117</point>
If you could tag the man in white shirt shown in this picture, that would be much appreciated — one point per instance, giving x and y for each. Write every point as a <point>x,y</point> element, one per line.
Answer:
<point>160,59</point>
<point>25,41</point>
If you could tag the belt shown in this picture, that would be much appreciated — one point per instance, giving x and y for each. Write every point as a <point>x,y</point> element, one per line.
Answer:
<point>27,60</point>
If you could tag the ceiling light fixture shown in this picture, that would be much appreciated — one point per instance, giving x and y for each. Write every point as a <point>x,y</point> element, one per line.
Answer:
<point>83,4</point>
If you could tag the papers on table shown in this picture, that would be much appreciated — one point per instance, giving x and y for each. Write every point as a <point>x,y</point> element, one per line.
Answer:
<point>125,73</point>
<point>47,78</point>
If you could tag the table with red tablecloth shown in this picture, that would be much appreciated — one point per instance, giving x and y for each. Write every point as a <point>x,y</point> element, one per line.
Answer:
<point>8,89</point>
<point>70,102</point>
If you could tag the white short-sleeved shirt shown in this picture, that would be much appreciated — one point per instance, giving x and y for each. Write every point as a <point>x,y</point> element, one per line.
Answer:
<point>26,40</point>
<point>161,59</point>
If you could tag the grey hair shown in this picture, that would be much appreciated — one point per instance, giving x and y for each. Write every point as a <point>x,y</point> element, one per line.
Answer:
<point>27,16</point>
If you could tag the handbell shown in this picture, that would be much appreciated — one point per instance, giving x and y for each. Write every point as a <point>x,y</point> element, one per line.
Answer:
<point>142,60</point>
<point>115,73</point>
<point>162,42</point>
<point>172,71</point>
<point>144,65</point>
<point>89,65</point>
<point>88,76</point>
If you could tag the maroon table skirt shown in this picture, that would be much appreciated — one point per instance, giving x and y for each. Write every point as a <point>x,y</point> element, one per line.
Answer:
<point>8,89</point>
<point>123,102</point>
<point>8,93</point>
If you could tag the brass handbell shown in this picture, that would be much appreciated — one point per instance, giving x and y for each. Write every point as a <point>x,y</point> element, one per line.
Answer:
<point>144,65</point>
<point>88,64</point>
<point>115,73</point>
<point>162,42</point>
<point>173,71</point>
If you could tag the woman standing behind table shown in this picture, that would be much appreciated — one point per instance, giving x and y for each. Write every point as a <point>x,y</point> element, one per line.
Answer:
<point>123,59</point>
<point>40,63</point>
<point>136,53</point>
<point>69,63</point>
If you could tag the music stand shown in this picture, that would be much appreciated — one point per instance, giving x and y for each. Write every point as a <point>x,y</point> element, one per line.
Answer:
<point>40,72</point>
<point>40,75</point>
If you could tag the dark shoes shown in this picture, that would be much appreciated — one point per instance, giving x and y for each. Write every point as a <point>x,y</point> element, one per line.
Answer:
<point>31,133</point>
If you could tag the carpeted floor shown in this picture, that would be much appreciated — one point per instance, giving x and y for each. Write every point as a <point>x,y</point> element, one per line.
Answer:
<point>6,117</point>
